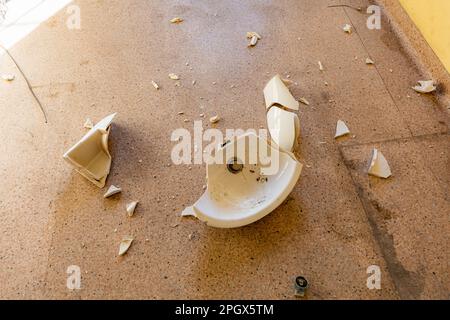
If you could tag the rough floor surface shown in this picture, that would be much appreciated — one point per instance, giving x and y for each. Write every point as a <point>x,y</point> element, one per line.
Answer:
<point>337,222</point>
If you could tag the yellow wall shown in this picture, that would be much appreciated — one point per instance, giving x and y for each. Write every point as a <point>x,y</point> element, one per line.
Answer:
<point>432,17</point>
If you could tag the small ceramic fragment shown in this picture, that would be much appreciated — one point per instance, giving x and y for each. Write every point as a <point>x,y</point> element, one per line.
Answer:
<point>8,77</point>
<point>287,82</point>
<point>214,119</point>
<point>425,86</point>
<point>379,166</point>
<point>88,124</point>
<point>252,34</point>
<point>131,207</point>
<point>188,212</point>
<point>320,66</point>
<point>173,76</point>
<point>112,191</point>
<point>253,41</point>
<point>347,28</point>
<point>341,129</point>
<point>369,61</point>
<point>177,20</point>
<point>155,85</point>
<point>125,244</point>
<point>304,101</point>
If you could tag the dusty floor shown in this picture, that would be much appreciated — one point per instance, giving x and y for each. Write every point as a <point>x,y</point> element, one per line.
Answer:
<point>337,221</point>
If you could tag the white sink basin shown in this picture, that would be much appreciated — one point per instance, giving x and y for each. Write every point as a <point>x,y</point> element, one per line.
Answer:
<point>241,191</point>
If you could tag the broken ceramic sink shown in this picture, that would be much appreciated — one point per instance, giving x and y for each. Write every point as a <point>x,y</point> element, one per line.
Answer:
<point>276,93</point>
<point>90,156</point>
<point>243,190</point>
<point>250,177</point>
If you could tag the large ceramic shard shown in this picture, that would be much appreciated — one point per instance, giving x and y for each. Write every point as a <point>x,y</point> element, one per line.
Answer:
<point>379,166</point>
<point>276,93</point>
<point>90,156</point>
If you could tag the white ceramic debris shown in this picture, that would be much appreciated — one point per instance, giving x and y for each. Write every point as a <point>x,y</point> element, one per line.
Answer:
<point>284,128</point>
<point>287,82</point>
<point>321,66</point>
<point>253,41</point>
<point>173,76</point>
<point>425,86</point>
<point>341,129</point>
<point>177,20</point>
<point>8,77</point>
<point>347,28</point>
<point>252,34</point>
<point>112,191</point>
<point>369,61</point>
<point>304,101</point>
<point>125,244</point>
<point>155,85</point>
<point>90,156</point>
<point>131,207</point>
<point>379,166</point>
<point>214,119</point>
<point>88,124</point>
<point>276,92</point>
<point>242,192</point>
<point>188,212</point>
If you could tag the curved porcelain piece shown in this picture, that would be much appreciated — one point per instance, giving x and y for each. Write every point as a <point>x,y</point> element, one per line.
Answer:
<point>90,156</point>
<point>276,93</point>
<point>284,128</point>
<point>238,199</point>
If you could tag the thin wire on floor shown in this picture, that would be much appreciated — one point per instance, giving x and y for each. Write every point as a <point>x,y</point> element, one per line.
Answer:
<point>27,81</point>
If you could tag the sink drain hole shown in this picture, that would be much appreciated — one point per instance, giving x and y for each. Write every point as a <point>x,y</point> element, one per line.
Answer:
<point>234,165</point>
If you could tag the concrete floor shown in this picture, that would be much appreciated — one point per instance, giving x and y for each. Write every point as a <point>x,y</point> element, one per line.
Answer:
<point>337,221</point>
